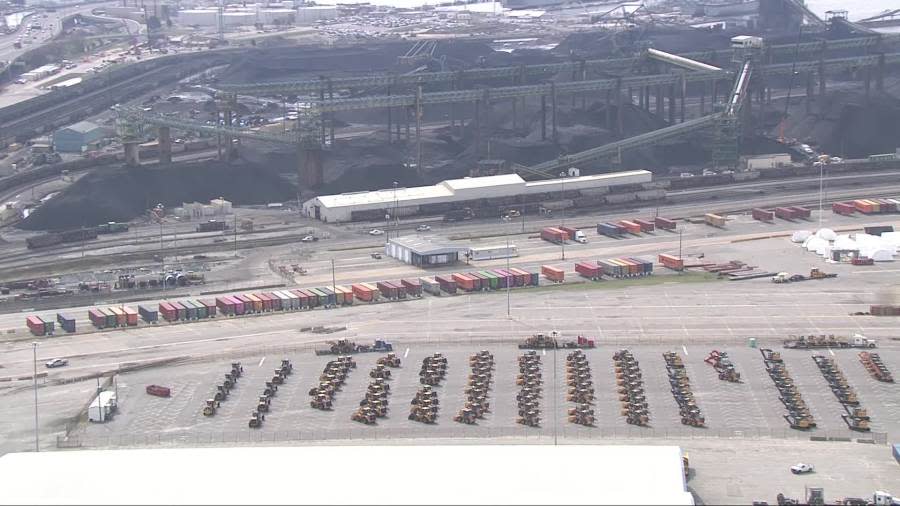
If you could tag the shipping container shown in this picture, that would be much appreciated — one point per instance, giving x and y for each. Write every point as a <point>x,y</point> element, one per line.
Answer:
<point>267,302</point>
<point>802,212</point>
<point>121,319</point>
<point>588,270</point>
<point>413,286</point>
<point>98,319</point>
<point>277,301</point>
<point>225,305</point>
<point>879,229</point>
<point>111,319</point>
<point>762,214</point>
<point>131,316</point>
<point>845,208</point>
<point>714,220</point>
<point>610,230</point>
<point>202,312</point>
<point>664,223</point>
<point>302,301</point>
<point>401,290</point>
<point>523,278</point>
<point>630,227</point>
<point>480,283</point>
<point>554,235</point>
<point>646,226</point>
<point>645,267</point>
<point>535,277</point>
<point>553,274</point>
<point>612,269</point>
<point>168,311</point>
<point>504,278</point>
<point>785,213</point>
<point>631,267</point>
<point>293,300</point>
<point>66,322</point>
<point>492,279</point>
<point>347,293</point>
<point>210,306</point>
<point>314,298</point>
<point>448,284</point>
<point>464,282</point>
<point>181,309</point>
<point>387,290</point>
<point>148,314</point>
<point>282,301</point>
<point>431,286</point>
<point>36,325</point>
<point>671,261</point>
<point>864,206</point>
<point>362,292</point>
<point>330,297</point>
<point>240,306</point>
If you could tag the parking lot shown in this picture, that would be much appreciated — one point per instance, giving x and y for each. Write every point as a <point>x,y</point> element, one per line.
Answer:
<point>748,408</point>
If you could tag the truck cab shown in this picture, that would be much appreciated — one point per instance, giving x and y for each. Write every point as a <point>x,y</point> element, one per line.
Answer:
<point>861,341</point>
<point>580,237</point>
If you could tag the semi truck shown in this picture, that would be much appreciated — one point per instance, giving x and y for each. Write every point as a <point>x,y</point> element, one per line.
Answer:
<point>574,234</point>
<point>554,235</point>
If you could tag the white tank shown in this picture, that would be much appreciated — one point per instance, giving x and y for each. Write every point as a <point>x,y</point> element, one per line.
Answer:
<point>238,18</point>
<point>201,17</point>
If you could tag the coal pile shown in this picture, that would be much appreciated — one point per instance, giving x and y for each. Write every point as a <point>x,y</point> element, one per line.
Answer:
<point>122,194</point>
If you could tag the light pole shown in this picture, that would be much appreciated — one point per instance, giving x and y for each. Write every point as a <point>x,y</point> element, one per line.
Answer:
<point>396,218</point>
<point>37,443</point>
<point>821,186</point>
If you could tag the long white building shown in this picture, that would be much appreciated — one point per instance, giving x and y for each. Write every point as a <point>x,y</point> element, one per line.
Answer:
<point>409,201</point>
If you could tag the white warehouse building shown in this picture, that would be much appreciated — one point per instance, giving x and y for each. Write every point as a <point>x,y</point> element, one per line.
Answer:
<point>409,201</point>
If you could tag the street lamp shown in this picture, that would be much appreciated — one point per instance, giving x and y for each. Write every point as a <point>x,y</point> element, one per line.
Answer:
<point>37,443</point>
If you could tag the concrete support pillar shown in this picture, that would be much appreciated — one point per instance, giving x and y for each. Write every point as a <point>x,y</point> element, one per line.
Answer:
<point>608,109</point>
<point>703,86</point>
<point>809,91</point>
<point>553,98</point>
<point>309,167</point>
<point>132,155</point>
<point>682,87</point>
<point>543,117</point>
<point>165,145</point>
<point>620,106</point>
<point>879,74</point>
<point>671,104</point>
<point>647,98</point>
<point>868,82</point>
<point>660,101</point>
<point>821,74</point>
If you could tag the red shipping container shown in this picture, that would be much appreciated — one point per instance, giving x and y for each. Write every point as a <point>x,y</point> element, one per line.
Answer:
<point>630,227</point>
<point>210,307</point>
<point>671,261</point>
<point>225,305</point>
<point>845,208</point>
<point>522,277</point>
<point>785,213</point>
<point>553,274</point>
<point>864,206</point>
<point>363,293</point>
<point>464,282</point>
<point>762,214</point>
<point>240,307</point>
<point>266,301</point>
<point>97,318</point>
<point>634,268</point>
<point>131,316</point>
<point>646,226</point>
<point>508,279</point>
<point>588,269</point>
<point>447,283</point>
<point>277,304</point>
<point>168,311</point>
<point>398,286</point>
<point>413,286</point>
<point>249,305</point>
<point>801,212</point>
<point>304,300</point>
<point>481,281</point>
<point>36,325</point>
<point>664,223</point>
<point>570,232</point>
<point>554,235</point>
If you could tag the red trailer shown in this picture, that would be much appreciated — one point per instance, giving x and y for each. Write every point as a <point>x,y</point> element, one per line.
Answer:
<point>168,311</point>
<point>97,318</point>
<point>481,281</point>
<point>570,232</point>
<point>277,303</point>
<point>864,206</point>
<point>248,304</point>
<point>363,293</point>
<point>36,325</point>
<point>304,299</point>
<point>226,305</point>
<point>845,208</point>
<point>589,270</point>
<point>554,235</point>
<point>553,274</point>
<point>210,307</point>
<point>447,283</point>
<point>762,214</point>
<point>159,391</point>
<point>398,286</point>
<point>801,212</point>
<point>467,283</point>
<point>506,278</point>
<point>888,205</point>
<point>671,261</point>
<point>785,213</point>
<point>522,277</point>
<point>664,223</point>
<point>131,316</point>
<point>646,226</point>
<point>630,227</point>
<point>388,291</point>
<point>239,306</point>
<point>267,302</point>
<point>413,286</point>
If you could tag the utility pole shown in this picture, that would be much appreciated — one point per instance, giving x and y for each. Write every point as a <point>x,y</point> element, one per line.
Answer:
<point>37,443</point>
<point>235,234</point>
<point>508,315</point>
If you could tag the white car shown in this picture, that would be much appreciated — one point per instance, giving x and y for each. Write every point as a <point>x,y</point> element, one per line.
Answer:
<point>801,468</point>
<point>423,228</point>
<point>308,238</point>
<point>57,362</point>
<point>376,231</point>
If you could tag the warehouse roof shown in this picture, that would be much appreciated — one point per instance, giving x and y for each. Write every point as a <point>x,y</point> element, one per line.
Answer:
<point>82,127</point>
<point>319,475</point>
<point>426,246</point>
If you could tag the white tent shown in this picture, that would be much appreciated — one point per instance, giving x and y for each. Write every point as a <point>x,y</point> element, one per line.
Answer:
<point>845,242</point>
<point>815,244</point>
<point>826,234</point>
<point>800,236</point>
<point>882,255</point>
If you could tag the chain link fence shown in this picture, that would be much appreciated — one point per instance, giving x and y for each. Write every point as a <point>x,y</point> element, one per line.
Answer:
<point>544,435</point>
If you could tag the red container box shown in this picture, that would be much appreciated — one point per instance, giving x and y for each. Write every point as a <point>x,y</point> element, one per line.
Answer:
<point>664,223</point>
<point>413,287</point>
<point>845,208</point>
<point>630,227</point>
<point>466,283</point>
<point>671,261</point>
<point>646,226</point>
<point>589,270</point>
<point>785,213</point>
<point>553,274</point>
<point>801,212</point>
<point>762,214</point>
<point>168,311</point>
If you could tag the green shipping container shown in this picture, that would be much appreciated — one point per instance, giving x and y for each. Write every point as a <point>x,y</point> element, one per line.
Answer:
<point>493,279</point>
<point>201,309</point>
<point>321,296</point>
<point>111,319</point>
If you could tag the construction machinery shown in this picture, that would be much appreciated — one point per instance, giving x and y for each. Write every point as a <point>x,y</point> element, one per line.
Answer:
<point>821,341</point>
<point>346,347</point>
<point>798,415</point>
<point>481,367</point>
<point>375,403</point>
<point>681,391</point>
<point>856,418</point>
<point>433,370</point>
<point>264,403</point>
<point>531,390</point>
<point>221,393</point>
<point>211,407</point>
<point>230,381</point>
<point>278,377</point>
<point>390,360</point>
<point>331,380</point>
<point>551,341</point>
<point>873,363</point>
<point>630,387</point>
<point>580,389</point>
<point>380,371</point>
<point>256,420</point>
<point>723,366</point>
<point>286,368</point>
<point>236,369</point>
<point>814,273</point>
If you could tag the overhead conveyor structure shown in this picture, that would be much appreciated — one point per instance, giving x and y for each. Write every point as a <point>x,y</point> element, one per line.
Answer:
<point>681,61</point>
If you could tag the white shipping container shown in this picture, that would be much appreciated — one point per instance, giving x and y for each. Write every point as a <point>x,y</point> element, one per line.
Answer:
<point>493,252</point>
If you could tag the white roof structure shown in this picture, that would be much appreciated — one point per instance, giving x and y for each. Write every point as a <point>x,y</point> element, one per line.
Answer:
<point>336,208</point>
<point>462,474</point>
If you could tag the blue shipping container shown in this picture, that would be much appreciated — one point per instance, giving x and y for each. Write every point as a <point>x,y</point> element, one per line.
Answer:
<point>66,322</point>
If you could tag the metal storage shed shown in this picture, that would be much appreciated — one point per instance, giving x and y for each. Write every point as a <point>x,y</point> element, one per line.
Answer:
<point>78,137</point>
<point>423,252</point>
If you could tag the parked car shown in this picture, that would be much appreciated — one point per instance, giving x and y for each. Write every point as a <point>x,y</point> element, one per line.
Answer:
<point>423,228</point>
<point>309,238</point>
<point>376,231</point>
<point>57,362</point>
<point>801,468</point>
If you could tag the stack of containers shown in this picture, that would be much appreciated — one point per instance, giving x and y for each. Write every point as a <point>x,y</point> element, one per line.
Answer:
<point>98,319</point>
<point>431,286</point>
<point>626,267</point>
<point>38,327</point>
<point>66,322</point>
